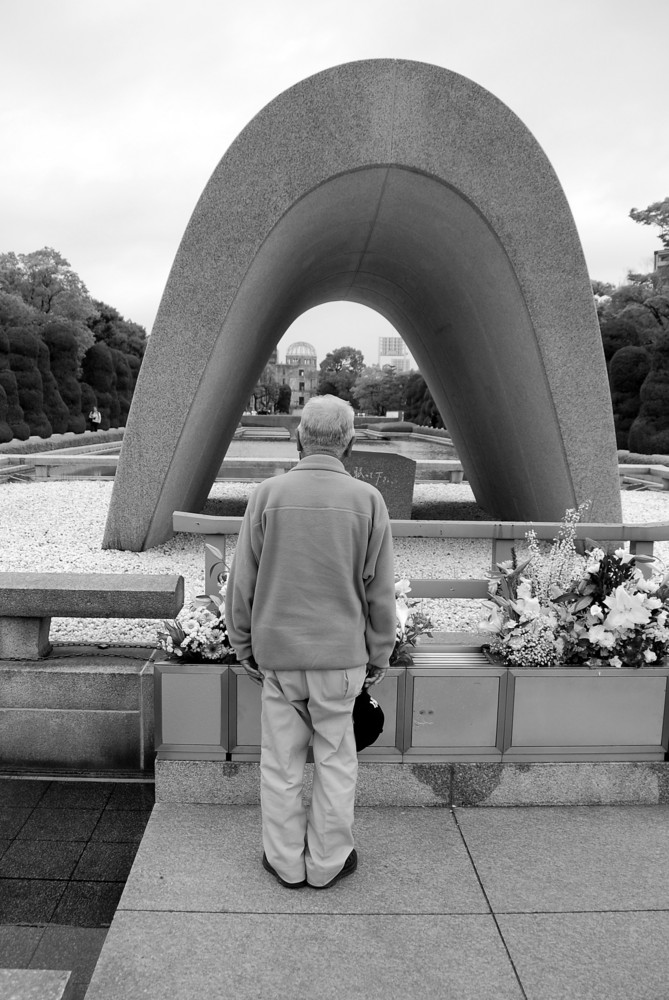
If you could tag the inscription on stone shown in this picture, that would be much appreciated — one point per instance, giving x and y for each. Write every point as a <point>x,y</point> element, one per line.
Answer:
<point>393,475</point>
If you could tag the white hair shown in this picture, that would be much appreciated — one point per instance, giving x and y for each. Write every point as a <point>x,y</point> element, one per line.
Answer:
<point>326,425</point>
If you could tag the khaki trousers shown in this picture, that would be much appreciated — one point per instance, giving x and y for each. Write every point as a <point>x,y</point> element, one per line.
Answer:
<point>297,704</point>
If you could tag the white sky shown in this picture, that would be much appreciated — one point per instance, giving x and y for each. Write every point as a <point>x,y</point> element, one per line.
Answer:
<point>114,113</point>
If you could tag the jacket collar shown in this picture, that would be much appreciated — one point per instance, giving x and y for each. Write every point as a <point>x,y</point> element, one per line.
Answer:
<point>326,463</point>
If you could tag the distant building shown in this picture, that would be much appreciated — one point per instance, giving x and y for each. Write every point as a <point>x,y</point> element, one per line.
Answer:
<point>300,372</point>
<point>393,351</point>
<point>661,263</point>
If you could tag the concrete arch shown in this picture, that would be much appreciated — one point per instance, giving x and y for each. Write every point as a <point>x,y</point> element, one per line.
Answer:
<point>409,189</point>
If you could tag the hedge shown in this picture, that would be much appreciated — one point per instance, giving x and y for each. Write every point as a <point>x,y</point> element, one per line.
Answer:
<point>23,361</point>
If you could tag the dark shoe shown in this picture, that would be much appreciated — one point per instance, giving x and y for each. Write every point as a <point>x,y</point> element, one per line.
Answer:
<point>289,885</point>
<point>350,866</point>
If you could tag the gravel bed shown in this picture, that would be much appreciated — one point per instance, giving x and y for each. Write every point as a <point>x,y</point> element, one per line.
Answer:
<point>57,526</point>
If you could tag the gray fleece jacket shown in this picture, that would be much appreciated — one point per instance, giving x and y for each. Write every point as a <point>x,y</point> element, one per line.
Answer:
<point>312,583</point>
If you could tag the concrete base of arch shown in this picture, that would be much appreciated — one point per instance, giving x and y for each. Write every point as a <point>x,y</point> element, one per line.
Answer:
<point>413,191</point>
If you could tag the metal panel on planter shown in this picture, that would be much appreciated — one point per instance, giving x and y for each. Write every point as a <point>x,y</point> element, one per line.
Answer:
<point>455,705</point>
<point>574,713</point>
<point>390,694</point>
<point>191,710</point>
<point>244,717</point>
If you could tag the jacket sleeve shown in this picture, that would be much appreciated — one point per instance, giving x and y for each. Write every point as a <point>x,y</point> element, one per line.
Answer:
<point>241,588</point>
<point>379,581</point>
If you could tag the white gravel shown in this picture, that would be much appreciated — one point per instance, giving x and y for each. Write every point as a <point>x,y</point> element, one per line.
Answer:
<point>57,526</point>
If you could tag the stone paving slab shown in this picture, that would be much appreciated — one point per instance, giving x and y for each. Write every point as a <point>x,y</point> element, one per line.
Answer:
<point>34,984</point>
<point>590,956</point>
<point>72,948</point>
<point>208,858</point>
<point>17,945</point>
<point>299,956</point>
<point>570,859</point>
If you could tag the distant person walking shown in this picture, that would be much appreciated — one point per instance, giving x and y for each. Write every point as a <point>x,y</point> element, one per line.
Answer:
<point>95,418</point>
<point>310,611</point>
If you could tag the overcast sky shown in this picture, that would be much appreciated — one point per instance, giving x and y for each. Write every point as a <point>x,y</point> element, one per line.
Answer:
<point>114,113</point>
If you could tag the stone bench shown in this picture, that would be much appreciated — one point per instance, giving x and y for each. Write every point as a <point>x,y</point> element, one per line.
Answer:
<point>28,602</point>
<point>82,709</point>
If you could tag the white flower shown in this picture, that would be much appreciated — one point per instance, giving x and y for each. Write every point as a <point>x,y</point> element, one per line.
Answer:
<point>649,656</point>
<point>403,612</point>
<point>492,619</point>
<point>599,635</point>
<point>402,588</point>
<point>625,557</point>
<point>627,610</point>
<point>615,661</point>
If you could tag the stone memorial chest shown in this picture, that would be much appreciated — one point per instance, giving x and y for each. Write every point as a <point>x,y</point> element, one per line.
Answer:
<point>393,475</point>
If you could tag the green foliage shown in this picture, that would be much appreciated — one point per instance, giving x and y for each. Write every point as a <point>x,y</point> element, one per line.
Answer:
<point>617,333</point>
<point>650,431</point>
<point>14,415</point>
<point>656,214</point>
<point>339,372</point>
<point>23,361</point>
<point>46,283</point>
<point>643,302</point>
<point>124,385</point>
<point>283,402</point>
<point>55,409</point>
<point>420,406</point>
<point>88,400</point>
<point>62,345</point>
<point>98,372</point>
<point>6,433</point>
<point>378,390</point>
<point>134,364</point>
<point>108,326</point>
<point>627,371</point>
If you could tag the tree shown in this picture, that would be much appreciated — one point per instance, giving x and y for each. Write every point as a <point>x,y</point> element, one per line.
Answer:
<point>635,313</point>
<point>15,313</point>
<point>46,282</point>
<point>627,372</point>
<point>420,406</point>
<point>98,372</point>
<point>649,434</point>
<point>6,432</point>
<point>54,407</point>
<point>339,371</point>
<point>14,415</point>
<point>266,392</point>
<point>109,326</point>
<point>656,214</point>
<point>62,345</point>
<point>283,402</point>
<point>378,390</point>
<point>123,385</point>
<point>617,333</point>
<point>23,361</point>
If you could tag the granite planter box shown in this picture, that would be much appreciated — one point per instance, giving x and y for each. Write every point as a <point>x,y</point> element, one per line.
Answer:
<point>191,710</point>
<point>244,717</point>
<point>579,714</point>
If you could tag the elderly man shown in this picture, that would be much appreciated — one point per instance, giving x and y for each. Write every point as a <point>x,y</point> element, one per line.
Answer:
<point>310,610</point>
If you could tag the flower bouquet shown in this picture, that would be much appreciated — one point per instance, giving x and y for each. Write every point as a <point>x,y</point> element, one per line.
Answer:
<point>198,634</point>
<point>410,625</point>
<point>560,607</point>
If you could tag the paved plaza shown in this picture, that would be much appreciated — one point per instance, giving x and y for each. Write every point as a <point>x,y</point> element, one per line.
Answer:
<point>474,904</point>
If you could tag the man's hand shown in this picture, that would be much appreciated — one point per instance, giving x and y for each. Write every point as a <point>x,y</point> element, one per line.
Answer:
<point>374,675</point>
<point>251,668</point>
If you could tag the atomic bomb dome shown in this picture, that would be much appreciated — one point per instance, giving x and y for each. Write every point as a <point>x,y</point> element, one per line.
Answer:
<point>301,353</point>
